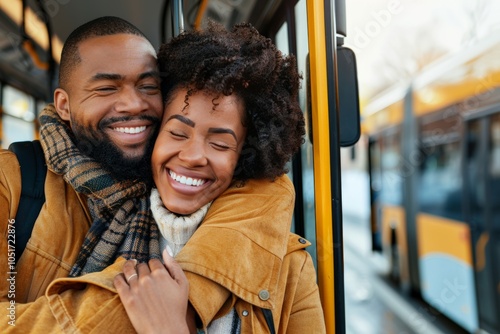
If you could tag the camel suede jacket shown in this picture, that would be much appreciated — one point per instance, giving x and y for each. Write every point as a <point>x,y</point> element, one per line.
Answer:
<point>242,256</point>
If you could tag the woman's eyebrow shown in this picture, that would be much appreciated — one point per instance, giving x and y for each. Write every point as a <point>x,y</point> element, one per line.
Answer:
<point>222,130</point>
<point>190,123</point>
<point>183,119</point>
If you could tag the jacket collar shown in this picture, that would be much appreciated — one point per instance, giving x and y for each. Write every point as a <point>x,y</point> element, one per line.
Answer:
<point>239,248</point>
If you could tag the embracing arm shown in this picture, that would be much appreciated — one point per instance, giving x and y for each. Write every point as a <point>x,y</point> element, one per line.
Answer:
<point>85,304</point>
<point>90,304</point>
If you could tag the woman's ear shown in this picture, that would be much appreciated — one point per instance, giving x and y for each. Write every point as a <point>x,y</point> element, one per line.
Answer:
<point>61,102</point>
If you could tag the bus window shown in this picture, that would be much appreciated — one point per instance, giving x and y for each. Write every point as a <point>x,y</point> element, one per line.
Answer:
<point>473,174</point>
<point>307,148</point>
<point>440,181</point>
<point>488,276</point>
<point>494,172</point>
<point>390,161</point>
<point>282,39</point>
<point>282,44</point>
<point>18,116</point>
<point>485,216</point>
<point>375,189</point>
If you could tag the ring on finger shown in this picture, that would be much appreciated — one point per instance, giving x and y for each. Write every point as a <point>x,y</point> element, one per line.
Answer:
<point>130,277</point>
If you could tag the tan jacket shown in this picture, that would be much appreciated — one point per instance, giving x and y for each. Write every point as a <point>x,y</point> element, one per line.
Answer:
<point>56,238</point>
<point>234,259</point>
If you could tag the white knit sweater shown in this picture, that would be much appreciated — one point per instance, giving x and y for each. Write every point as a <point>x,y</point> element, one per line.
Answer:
<point>175,232</point>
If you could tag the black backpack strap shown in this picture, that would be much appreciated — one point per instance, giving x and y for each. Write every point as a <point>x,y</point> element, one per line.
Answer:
<point>268,315</point>
<point>33,173</point>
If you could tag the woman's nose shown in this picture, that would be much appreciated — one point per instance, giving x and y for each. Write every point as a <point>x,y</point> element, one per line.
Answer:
<point>193,153</point>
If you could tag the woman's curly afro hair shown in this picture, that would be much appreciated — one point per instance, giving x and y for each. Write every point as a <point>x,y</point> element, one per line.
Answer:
<point>245,63</point>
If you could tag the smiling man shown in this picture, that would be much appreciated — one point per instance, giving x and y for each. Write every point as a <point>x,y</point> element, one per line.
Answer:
<point>97,139</point>
<point>109,92</point>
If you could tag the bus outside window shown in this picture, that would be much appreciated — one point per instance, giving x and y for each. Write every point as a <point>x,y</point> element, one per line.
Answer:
<point>18,116</point>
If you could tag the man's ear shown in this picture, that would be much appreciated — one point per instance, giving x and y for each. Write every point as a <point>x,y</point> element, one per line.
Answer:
<point>61,102</point>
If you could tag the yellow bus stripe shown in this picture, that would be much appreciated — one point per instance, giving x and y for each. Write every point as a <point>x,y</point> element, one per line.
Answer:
<point>321,149</point>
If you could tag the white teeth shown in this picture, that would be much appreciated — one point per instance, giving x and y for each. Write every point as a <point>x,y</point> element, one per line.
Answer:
<point>137,129</point>
<point>187,180</point>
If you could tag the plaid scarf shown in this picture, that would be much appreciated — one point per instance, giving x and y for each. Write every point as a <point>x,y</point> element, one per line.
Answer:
<point>122,221</point>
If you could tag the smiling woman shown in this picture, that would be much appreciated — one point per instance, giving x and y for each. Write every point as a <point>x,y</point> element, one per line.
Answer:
<point>197,149</point>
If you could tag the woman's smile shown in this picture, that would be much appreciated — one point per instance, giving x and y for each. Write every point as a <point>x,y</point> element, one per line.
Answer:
<point>195,182</point>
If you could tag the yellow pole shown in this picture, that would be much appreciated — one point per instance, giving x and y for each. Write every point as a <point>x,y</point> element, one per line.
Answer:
<point>321,151</point>
<point>199,16</point>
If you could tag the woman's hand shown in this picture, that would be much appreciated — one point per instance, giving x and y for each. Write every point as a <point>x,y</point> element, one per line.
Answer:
<point>155,295</point>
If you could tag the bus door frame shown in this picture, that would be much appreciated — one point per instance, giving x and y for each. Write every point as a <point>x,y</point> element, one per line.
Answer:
<point>483,239</point>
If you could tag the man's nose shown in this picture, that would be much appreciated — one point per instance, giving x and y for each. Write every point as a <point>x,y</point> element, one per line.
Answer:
<point>131,101</point>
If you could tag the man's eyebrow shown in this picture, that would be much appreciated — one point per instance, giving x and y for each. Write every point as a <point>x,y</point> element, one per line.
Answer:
<point>183,119</point>
<point>105,76</point>
<point>150,74</point>
<point>116,77</point>
<point>222,130</point>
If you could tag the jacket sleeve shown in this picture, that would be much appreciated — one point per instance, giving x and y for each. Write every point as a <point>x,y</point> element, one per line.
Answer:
<point>87,304</point>
<point>28,318</point>
<point>307,313</point>
<point>10,192</point>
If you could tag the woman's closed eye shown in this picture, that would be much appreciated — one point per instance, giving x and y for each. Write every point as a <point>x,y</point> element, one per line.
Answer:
<point>223,144</point>
<point>220,146</point>
<point>177,134</point>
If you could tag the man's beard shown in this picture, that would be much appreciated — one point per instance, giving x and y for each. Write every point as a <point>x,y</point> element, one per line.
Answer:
<point>112,159</point>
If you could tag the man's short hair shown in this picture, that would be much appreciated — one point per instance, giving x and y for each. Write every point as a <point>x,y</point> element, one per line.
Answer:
<point>103,26</point>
